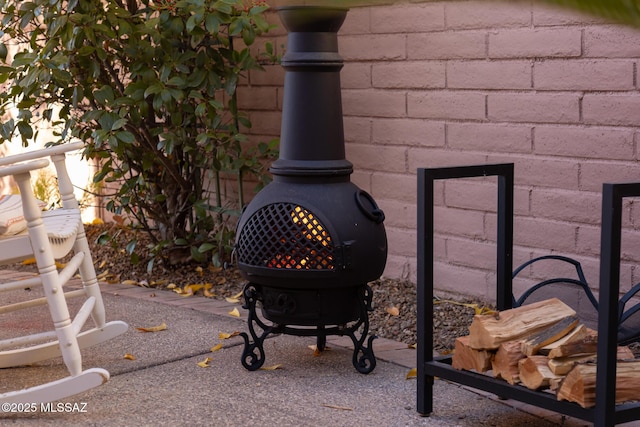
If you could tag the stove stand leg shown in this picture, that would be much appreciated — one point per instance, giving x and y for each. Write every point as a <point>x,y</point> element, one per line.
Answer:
<point>363,358</point>
<point>321,341</point>
<point>253,353</point>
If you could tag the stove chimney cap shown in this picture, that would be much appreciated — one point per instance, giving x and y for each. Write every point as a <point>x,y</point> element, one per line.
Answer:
<point>312,18</point>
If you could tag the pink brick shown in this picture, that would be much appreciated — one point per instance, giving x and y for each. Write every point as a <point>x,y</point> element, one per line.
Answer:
<point>482,14</point>
<point>588,241</point>
<point>472,193</point>
<point>402,242</point>
<point>401,215</point>
<point>535,108</point>
<point>446,105</point>
<point>266,122</point>
<point>358,21</point>
<point>274,19</point>
<point>628,219</point>
<point>482,195</point>
<point>611,42</point>
<point>399,267</point>
<point>489,137</point>
<point>459,222</point>
<point>378,158</point>
<point>373,47</point>
<point>436,158</point>
<point>472,253</point>
<point>357,129</point>
<point>535,171</point>
<point>620,110</point>
<point>447,45</point>
<point>272,75</point>
<point>534,43</point>
<point>440,247</point>
<point>408,132</point>
<point>630,245</point>
<point>407,18</point>
<point>634,216</point>
<point>462,281</point>
<point>543,233</point>
<point>414,74</point>
<point>591,142</point>
<point>584,75</point>
<point>374,103</point>
<point>550,15</point>
<point>362,179</point>
<point>257,98</point>
<point>356,75</point>
<point>394,187</point>
<point>489,75</point>
<point>583,208</point>
<point>594,174</point>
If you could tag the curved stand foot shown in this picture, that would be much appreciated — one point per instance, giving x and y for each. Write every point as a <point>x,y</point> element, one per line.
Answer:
<point>253,353</point>
<point>363,358</point>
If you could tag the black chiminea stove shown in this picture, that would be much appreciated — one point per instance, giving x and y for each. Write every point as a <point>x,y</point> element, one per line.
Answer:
<point>311,241</point>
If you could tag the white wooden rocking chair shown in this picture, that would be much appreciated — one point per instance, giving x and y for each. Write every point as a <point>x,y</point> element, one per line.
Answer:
<point>51,235</point>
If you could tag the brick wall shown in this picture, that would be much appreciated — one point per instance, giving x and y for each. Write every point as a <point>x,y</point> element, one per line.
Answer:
<point>466,82</point>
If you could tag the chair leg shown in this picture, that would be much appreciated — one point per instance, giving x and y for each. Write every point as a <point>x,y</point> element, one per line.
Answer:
<point>89,279</point>
<point>62,321</point>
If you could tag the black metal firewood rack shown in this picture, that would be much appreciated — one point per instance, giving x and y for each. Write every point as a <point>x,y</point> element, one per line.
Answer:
<point>605,412</point>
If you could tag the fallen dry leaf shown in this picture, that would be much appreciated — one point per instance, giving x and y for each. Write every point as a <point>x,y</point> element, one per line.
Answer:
<point>413,346</point>
<point>158,328</point>
<point>129,356</point>
<point>342,408</point>
<point>232,300</point>
<point>393,311</point>
<point>224,335</point>
<point>129,282</point>
<point>216,347</point>
<point>102,275</point>
<point>238,295</point>
<point>234,312</point>
<point>205,363</point>
<point>199,270</point>
<point>29,261</point>
<point>271,368</point>
<point>171,286</point>
<point>208,294</point>
<point>413,373</point>
<point>316,351</point>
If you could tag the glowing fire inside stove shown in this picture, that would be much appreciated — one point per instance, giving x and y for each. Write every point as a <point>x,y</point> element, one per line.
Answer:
<point>312,245</point>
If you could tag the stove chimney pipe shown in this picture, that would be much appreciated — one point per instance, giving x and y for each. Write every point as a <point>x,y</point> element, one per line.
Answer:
<point>312,135</point>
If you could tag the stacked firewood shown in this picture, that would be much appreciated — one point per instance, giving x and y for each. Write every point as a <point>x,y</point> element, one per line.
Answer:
<point>543,346</point>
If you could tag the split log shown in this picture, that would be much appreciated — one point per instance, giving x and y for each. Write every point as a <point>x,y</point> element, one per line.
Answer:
<point>579,332</point>
<point>535,373</point>
<point>562,365</point>
<point>586,345</point>
<point>489,331</point>
<point>505,361</point>
<point>549,335</point>
<point>579,385</point>
<point>465,357</point>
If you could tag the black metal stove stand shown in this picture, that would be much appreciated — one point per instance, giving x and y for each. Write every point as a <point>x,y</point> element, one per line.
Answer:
<point>253,356</point>
<point>605,413</point>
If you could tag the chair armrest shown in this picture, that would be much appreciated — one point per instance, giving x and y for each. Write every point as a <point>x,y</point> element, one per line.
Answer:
<point>37,154</point>
<point>23,168</point>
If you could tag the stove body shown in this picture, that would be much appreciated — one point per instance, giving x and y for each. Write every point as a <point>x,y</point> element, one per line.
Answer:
<point>311,240</point>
